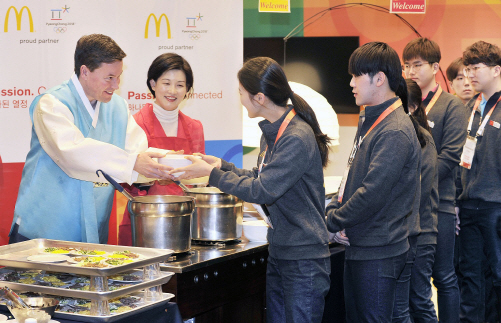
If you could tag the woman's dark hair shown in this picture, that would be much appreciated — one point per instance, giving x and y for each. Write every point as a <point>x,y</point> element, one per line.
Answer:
<point>93,50</point>
<point>167,62</point>
<point>264,75</point>
<point>418,117</point>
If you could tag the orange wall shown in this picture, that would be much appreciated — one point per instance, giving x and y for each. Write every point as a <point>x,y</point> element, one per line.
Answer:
<point>453,24</point>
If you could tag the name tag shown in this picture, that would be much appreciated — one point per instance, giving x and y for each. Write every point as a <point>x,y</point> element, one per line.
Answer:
<point>342,186</point>
<point>96,184</point>
<point>431,123</point>
<point>495,124</point>
<point>468,152</point>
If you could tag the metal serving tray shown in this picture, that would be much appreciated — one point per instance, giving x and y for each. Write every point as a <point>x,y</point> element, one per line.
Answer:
<point>114,317</point>
<point>92,295</point>
<point>14,255</point>
<point>108,318</point>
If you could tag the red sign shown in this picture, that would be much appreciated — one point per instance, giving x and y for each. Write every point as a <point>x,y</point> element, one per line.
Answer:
<point>407,6</point>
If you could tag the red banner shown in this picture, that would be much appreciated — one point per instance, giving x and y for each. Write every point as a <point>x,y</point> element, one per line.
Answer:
<point>407,6</point>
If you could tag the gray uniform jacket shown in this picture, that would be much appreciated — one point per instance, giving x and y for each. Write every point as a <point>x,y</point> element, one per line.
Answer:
<point>448,120</point>
<point>481,185</point>
<point>291,184</point>
<point>381,188</point>
<point>429,192</point>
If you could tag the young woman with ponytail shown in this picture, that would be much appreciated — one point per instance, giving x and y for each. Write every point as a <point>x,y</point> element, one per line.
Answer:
<point>412,300</point>
<point>378,199</point>
<point>288,182</point>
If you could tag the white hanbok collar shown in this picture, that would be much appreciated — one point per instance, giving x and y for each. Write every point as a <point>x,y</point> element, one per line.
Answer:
<point>94,113</point>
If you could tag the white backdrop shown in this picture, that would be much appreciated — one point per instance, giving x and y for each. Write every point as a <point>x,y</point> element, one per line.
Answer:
<point>208,34</point>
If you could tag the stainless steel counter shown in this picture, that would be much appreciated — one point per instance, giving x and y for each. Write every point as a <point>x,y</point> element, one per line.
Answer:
<point>201,256</point>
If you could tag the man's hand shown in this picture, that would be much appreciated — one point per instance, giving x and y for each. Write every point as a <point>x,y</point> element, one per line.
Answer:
<point>147,167</point>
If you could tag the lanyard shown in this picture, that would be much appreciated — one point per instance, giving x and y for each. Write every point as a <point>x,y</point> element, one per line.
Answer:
<point>383,115</point>
<point>480,131</point>
<point>433,99</point>
<point>356,146</point>
<point>281,130</point>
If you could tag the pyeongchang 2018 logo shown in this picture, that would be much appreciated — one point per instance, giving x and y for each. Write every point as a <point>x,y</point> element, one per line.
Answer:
<point>157,23</point>
<point>19,17</point>
<point>194,27</point>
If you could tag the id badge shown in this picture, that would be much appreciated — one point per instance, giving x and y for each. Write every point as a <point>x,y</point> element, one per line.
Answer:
<point>468,152</point>
<point>347,171</point>
<point>343,185</point>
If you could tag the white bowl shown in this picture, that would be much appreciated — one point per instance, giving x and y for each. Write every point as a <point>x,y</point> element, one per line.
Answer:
<point>255,230</point>
<point>176,161</point>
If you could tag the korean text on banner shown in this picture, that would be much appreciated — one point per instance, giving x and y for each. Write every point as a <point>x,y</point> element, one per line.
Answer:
<point>407,6</point>
<point>282,6</point>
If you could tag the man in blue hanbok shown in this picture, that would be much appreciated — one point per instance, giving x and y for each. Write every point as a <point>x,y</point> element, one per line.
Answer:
<point>78,127</point>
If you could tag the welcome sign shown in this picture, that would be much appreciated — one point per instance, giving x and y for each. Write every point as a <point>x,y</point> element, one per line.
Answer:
<point>283,6</point>
<point>407,6</point>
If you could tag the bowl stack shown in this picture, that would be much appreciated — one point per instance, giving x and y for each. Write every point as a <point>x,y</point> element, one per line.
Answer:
<point>42,309</point>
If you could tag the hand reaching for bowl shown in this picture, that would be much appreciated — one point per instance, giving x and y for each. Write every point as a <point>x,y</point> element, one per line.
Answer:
<point>147,167</point>
<point>214,161</point>
<point>198,167</point>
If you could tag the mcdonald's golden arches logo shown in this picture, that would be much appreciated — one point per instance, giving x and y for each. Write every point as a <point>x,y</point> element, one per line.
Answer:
<point>157,25</point>
<point>19,17</point>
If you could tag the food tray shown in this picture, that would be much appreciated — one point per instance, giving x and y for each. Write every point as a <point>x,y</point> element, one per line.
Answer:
<point>92,295</point>
<point>108,318</point>
<point>113,317</point>
<point>14,255</point>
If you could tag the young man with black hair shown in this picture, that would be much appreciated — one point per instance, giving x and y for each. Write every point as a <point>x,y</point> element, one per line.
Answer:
<point>459,82</point>
<point>79,127</point>
<point>480,198</point>
<point>380,188</point>
<point>447,119</point>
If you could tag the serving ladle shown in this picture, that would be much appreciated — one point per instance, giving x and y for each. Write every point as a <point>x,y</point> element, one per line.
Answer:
<point>117,186</point>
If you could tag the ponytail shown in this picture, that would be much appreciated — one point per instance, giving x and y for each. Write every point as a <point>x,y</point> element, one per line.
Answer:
<point>403,93</point>
<point>304,110</point>
<point>419,133</point>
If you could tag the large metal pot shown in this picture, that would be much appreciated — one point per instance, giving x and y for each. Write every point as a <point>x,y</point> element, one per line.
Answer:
<point>218,216</point>
<point>162,221</point>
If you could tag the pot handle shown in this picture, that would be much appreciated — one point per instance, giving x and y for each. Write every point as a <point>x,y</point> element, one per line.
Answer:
<point>117,186</point>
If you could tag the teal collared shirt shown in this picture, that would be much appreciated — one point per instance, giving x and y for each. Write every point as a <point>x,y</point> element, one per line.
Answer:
<point>482,104</point>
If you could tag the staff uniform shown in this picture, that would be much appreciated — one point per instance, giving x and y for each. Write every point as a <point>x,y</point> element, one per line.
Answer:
<point>190,138</point>
<point>60,196</point>
<point>448,120</point>
<point>480,214</point>
<point>380,194</point>
<point>291,186</point>
<point>421,306</point>
<point>413,297</point>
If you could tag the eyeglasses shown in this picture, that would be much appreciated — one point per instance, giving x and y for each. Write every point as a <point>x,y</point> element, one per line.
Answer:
<point>417,66</point>
<point>473,69</point>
